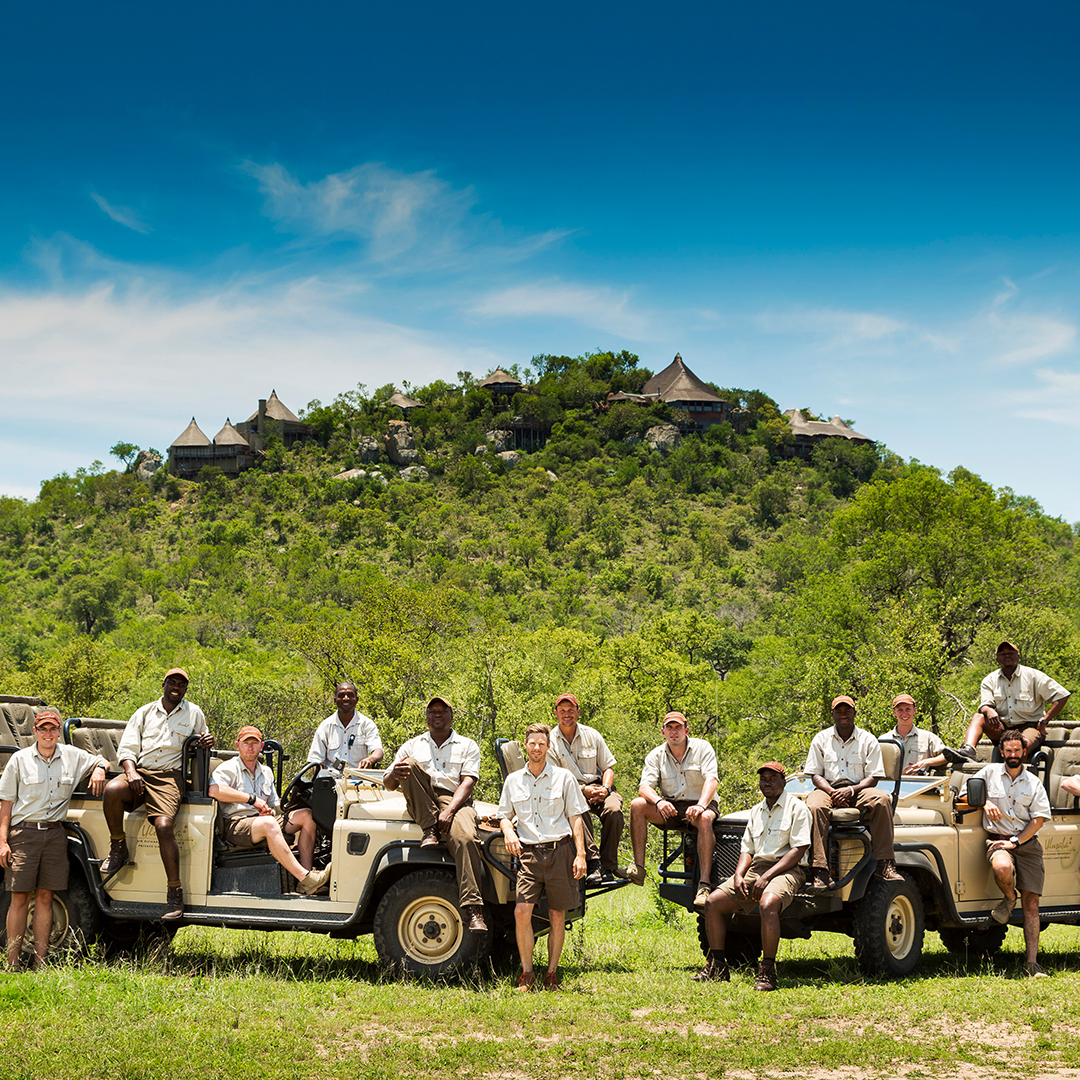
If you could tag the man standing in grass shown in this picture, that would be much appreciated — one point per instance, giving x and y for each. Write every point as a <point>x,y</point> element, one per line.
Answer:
<point>583,752</point>
<point>1012,699</point>
<point>250,808</point>
<point>678,783</point>
<point>546,804</point>
<point>346,735</point>
<point>845,764</point>
<point>922,748</point>
<point>151,753</point>
<point>437,772</point>
<point>35,792</point>
<point>766,878</point>
<point>1016,806</point>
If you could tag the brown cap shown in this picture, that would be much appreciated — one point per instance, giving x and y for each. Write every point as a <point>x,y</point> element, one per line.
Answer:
<point>1007,645</point>
<point>247,731</point>
<point>567,697</point>
<point>674,716</point>
<point>902,699</point>
<point>775,766</point>
<point>49,712</point>
<point>843,699</point>
<point>443,700</point>
<point>177,671</point>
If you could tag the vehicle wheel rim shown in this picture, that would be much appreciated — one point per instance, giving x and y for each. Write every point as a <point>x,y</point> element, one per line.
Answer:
<point>430,930</point>
<point>900,927</point>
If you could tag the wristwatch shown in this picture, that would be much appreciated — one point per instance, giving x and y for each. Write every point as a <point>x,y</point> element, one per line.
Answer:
<point>251,799</point>
<point>1015,839</point>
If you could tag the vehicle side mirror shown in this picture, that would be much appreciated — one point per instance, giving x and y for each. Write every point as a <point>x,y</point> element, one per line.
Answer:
<point>976,791</point>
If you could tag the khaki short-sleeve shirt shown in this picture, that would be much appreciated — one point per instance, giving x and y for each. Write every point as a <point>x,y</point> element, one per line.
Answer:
<point>587,758</point>
<point>683,780</point>
<point>541,806</point>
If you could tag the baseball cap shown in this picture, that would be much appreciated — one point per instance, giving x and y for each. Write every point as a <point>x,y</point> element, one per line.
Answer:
<point>247,731</point>
<point>673,716</point>
<point>902,699</point>
<point>443,700</point>
<point>1007,645</point>
<point>843,699</point>
<point>567,697</point>
<point>177,671</point>
<point>775,766</point>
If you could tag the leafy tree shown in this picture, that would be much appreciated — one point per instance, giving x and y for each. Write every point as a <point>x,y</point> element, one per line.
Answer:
<point>125,452</point>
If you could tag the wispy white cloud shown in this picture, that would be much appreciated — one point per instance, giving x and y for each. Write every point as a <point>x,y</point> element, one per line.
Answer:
<point>417,220</point>
<point>596,306</point>
<point>121,214</point>
<point>1025,338</point>
<point>833,328</point>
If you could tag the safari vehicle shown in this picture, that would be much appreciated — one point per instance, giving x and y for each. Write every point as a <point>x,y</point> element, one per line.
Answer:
<point>383,882</point>
<point>940,841</point>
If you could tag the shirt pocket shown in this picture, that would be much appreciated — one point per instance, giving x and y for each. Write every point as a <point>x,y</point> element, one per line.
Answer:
<point>67,783</point>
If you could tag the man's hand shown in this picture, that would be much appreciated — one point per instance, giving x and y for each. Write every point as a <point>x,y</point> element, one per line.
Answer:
<point>992,812</point>
<point>5,855</point>
<point>594,793</point>
<point>135,781</point>
<point>580,868</point>
<point>446,819</point>
<point>668,809</point>
<point>758,891</point>
<point>992,722</point>
<point>206,740</point>
<point>693,813</point>
<point>262,806</point>
<point>400,770</point>
<point>513,844</point>
<point>97,781</point>
<point>741,887</point>
<point>367,763</point>
<point>841,796</point>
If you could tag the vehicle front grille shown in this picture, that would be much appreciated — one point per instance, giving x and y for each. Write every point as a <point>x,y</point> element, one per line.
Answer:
<point>726,854</point>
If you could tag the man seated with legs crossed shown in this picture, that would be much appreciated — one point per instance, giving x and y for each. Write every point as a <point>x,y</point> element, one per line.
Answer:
<point>546,804</point>
<point>766,879</point>
<point>250,809</point>
<point>678,783</point>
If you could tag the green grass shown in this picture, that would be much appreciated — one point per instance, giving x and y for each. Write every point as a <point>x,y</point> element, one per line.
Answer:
<point>243,1004</point>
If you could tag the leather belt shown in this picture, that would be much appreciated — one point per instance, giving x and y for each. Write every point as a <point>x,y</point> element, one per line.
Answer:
<point>549,845</point>
<point>39,825</point>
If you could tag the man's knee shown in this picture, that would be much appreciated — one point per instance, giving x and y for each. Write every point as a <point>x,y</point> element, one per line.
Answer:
<point>164,826</point>
<point>705,823</point>
<point>771,903</point>
<point>523,912</point>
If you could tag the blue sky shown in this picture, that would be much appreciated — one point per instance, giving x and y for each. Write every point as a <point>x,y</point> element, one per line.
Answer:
<point>869,210</point>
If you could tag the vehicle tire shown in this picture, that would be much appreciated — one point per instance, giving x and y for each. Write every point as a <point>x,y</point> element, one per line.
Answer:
<point>976,944</point>
<point>889,924</point>
<point>419,928</point>
<point>741,950</point>
<point>130,937</point>
<point>76,919</point>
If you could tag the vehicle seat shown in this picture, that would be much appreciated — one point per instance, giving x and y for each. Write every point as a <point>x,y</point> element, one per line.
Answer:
<point>1066,763</point>
<point>511,759</point>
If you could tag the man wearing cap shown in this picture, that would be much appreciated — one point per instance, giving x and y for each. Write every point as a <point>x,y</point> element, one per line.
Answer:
<point>678,783</point>
<point>35,792</point>
<point>922,748</point>
<point>346,735</point>
<point>251,815</point>
<point>845,763</point>
<point>582,751</point>
<point>1012,699</point>
<point>546,804</point>
<point>151,754</point>
<point>436,773</point>
<point>1016,807</point>
<point>766,878</point>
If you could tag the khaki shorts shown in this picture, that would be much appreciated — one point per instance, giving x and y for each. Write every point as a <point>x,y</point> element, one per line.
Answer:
<point>784,885</point>
<point>164,790</point>
<point>38,858</point>
<point>682,805</point>
<point>1027,862</point>
<point>236,830</point>
<point>551,871</point>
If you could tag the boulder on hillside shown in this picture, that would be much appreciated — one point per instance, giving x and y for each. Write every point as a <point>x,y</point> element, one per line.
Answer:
<point>367,449</point>
<point>509,458</point>
<point>400,443</point>
<point>551,476</point>
<point>664,437</point>
<point>350,474</point>
<point>414,472</point>
<point>501,440</point>
<point>146,464</point>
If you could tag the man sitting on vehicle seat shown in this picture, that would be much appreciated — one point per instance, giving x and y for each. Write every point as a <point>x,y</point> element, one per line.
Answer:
<point>767,877</point>
<point>346,735</point>
<point>922,748</point>
<point>845,763</point>
<point>436,773</point>
<point>1016,807</point>
<point>249,807</point>
<point>678,783</point>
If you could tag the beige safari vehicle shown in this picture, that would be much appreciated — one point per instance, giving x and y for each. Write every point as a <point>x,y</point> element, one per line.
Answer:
<point>382,883</point>
<point>948,886</point>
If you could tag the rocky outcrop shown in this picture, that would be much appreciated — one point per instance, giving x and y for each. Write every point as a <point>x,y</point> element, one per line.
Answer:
<point>414,472</point>
<point>367,449</point>
<point>146,464</point>
<point>501,440</point>
<point>664,437</point>
<point>400,444</point>
<point>509,458</point>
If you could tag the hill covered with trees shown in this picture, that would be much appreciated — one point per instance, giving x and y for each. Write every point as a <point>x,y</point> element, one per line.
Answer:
<point>722,578</point>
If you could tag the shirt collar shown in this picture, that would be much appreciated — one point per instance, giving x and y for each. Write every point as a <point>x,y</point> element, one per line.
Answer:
<point>44,760</point>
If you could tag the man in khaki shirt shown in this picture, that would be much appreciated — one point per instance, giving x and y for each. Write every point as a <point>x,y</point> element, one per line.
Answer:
<point>582,751</point>
<point>35,793</point>
<point>922,748</point>
<point>678,783</point>
<point>766,878</point>
<point>546,805</point>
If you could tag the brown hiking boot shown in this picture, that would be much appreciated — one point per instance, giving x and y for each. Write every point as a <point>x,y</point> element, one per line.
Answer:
<point>118,855</point>
<point>886,870</point>
<point>634,872</point>
<point>474,918</point>
<point>313,882</point>
<point>766,975</point>
<point>821,881</point>
<point>526,981</point>
<point>713,971</point>
<point>431,837</point>
<point>174,903</point>
<point>551,980</point>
